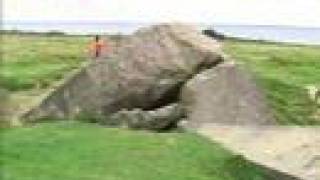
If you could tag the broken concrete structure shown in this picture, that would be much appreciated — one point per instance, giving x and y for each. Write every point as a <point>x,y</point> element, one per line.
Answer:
<point>148,72</point>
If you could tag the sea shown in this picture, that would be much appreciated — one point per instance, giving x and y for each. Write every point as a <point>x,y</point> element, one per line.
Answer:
<point>289,34</point>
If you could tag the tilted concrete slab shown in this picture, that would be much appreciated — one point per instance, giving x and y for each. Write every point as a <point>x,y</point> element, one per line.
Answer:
<point>291,150</point>
<point>225,94</point>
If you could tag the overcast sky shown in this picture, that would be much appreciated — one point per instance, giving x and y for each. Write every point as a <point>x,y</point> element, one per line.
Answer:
<point>269,12</point>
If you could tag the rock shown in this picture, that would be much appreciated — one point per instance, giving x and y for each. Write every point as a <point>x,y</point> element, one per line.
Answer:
<point>214,34</point>
<point>225,94</point>
<point>158,119</point>
<point>146,72</point>
<point>313,93</point>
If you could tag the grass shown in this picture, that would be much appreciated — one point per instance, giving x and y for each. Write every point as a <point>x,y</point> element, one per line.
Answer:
<point>36,61</point>
<point>75,151</point>
<point>283,71</point>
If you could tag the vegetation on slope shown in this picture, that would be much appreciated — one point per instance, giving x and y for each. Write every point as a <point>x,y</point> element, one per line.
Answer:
<point>75,151</point>
<point>283,71</point>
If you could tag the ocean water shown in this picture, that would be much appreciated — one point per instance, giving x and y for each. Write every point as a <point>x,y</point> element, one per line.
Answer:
<point>302,35</point>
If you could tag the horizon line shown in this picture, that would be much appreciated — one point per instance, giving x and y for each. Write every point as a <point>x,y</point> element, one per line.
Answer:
<point>132,22</point>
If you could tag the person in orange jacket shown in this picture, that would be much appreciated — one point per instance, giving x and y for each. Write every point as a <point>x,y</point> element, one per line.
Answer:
<point>98,47</point>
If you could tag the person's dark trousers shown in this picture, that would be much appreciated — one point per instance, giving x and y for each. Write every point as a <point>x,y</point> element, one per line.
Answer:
<point>97,53</point>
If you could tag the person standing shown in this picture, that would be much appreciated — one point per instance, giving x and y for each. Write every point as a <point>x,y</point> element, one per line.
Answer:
<point>97,47</point>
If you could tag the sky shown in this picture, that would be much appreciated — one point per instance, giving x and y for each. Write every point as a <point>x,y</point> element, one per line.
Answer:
<point>251,12</point>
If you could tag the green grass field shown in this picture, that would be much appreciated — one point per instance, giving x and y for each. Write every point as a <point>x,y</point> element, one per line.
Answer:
<point>76,151</point>
<point>31,61</point>
<point>283,71</point>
